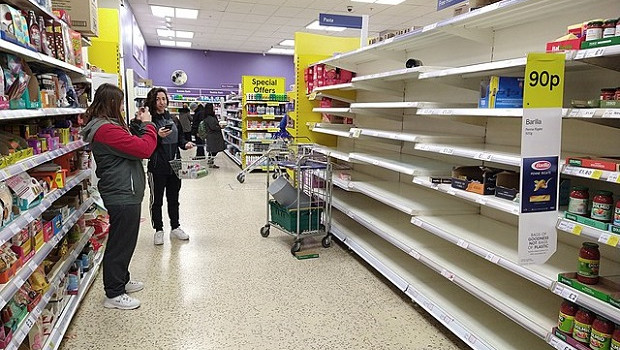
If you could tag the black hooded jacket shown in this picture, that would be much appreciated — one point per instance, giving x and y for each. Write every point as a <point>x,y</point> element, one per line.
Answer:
<point>167,147</point>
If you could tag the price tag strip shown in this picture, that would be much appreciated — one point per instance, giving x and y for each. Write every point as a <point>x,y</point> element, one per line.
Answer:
<point>609,239</point>
<point>571,227</point>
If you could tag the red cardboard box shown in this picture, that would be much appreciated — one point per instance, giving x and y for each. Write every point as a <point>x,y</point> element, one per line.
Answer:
<point>611,163</point>
<point>564,45</point>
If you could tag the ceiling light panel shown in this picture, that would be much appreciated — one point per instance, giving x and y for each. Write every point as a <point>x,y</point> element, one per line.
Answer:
<point>184,44</point>
<point>165,32</point>
<point>389,2</point>
<point>186,13</point>
<point>185,35</point>
<point>162,11</point>
<point>281,51</point>
<point>167,42</point>
<point>287,42</point>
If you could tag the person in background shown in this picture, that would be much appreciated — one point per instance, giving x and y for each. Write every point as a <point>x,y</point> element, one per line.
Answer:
<point>215,139</point>
<point>185,118</point>
<point>121,184</point>
<point>199,115</point>
<point>161,176</point>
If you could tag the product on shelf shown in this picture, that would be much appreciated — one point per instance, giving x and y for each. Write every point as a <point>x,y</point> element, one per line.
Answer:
<point>323,75</point>
<point>616,221</point>
<point>589,260</point>
<point>607,289</point>
<point>602,330</point>
<point>566,318</point>
<point>615,339</point>
<point>583,325</point>
<point>606,163</point>
<point>83,15</point>
<point>578,202</point>
<point>501,92</point>
<point>602,206</point>
<point>14,26</point>
<point>507,185</point>
<point>477,179</point>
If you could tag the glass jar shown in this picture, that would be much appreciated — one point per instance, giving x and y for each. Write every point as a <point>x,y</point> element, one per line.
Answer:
<point>578,200</point>
<point>600,337</point>
<point>609,27</point>
<point>602,206</point>
<point>617,94</point>
<point>615,339</point>
<point>589,260</point>
<point>617,213</point>
<point>594,30</point>
<point>618,27</point>
<point>608,94</point>
<point>566,318</point>
<point>583,325</point>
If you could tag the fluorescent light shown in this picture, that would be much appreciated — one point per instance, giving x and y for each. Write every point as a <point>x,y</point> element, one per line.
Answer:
<point>184,34</point>
<point>368,1</point>
<point>316,26</point>
<point>389,2</point>
<point>184,44</point>
<point>168,19</point>
<point>281,51</point>
<point>287,42</point>
<point>186,13</point>
<point>165,32</point>
<point>162,11</point>
<point>167,42</point>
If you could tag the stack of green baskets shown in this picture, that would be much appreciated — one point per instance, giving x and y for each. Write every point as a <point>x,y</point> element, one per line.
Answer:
<point>310,218</point>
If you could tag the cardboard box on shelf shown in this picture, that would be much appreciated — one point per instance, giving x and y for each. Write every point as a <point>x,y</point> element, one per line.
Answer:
<point>607,289</point>
<point>614,40</point>
<point>475,179</point>
<point>603,163</point>
<point>501,92</point>
<point>84,16</point>
<point>507,185</point>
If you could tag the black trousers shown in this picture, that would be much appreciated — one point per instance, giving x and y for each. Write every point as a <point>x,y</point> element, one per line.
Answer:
<point>200,147</point>
<point>171,185</point>
<point>124,227</point>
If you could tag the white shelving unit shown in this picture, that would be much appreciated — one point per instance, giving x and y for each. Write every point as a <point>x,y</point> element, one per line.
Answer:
<point>231,112</point>
<point>418,123</point>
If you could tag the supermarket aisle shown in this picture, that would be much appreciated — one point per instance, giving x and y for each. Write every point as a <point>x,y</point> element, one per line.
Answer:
<point>229,288</point>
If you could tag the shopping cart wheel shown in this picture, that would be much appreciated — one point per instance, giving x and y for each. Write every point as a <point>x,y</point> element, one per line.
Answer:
<point>241,178</point>
<point>264,231</point>
<point>327,241</point>
<point>275,175</point>
<point>296,247</point>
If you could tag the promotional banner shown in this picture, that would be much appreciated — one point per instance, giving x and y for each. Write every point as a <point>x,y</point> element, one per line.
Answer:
<point>263,85</point>
<point>541,141</point>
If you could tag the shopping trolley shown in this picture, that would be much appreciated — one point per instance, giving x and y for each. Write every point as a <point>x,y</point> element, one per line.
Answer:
<point>301,204</point>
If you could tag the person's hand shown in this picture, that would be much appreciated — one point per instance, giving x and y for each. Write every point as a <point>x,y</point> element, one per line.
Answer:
<point>162,132</point>
<point>189,145</point>
<point>144,115</point>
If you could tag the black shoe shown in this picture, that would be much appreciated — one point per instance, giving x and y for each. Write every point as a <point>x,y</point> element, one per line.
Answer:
<point>213,166</point>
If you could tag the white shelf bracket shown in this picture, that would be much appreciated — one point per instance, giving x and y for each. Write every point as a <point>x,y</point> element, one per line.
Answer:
<point>483,36</point>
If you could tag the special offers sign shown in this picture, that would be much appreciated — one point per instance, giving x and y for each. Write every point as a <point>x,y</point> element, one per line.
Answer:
<point>263,85</point>
<point>541,132</point>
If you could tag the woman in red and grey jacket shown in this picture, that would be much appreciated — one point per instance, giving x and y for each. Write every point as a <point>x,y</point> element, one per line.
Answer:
<point>118,155</point>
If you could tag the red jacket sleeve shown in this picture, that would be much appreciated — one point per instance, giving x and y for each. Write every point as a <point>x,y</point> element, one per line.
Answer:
<point>127,144</point>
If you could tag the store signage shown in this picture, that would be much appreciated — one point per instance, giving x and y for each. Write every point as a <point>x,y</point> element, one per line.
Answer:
<point>229,86</point>
<point>442,4</point>
<point>214,92</point>
<point>330,20</point>
<point>543,94</point>
<point>183,91</point>
<point>263,85</point>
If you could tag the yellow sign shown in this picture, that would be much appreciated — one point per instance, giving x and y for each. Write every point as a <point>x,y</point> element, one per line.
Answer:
<point>544,80</point>
<point>263,85</point>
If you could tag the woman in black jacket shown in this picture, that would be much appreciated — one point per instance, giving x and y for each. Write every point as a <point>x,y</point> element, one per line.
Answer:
<point>199,115</point>
<point>215,139</point>
<point>161,176</point>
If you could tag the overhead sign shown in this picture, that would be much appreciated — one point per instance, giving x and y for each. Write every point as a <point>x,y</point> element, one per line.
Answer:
<point>543,93</point>
<point>442,4</point>
<point>330,20</point>
<point>229,86</point>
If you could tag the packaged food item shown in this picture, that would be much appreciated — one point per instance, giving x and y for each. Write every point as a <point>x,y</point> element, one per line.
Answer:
<point>35,31</point>
<point>602,206</point>
<point>617,213</point>
<point>609,27</point>
<point>583,325</point>
<point>566,318</point>
<point>600,337</point>
<point>578,200</point>
<point>59,42</point>
<point>594,30</point>
<point>608,94</point>
<point>50,41</point>
<point>76,41</point>
<point>589,260</point>
<point>615,339</point>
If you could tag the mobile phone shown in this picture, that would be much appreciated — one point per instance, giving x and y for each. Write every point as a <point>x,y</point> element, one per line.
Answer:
<point>168,126</point>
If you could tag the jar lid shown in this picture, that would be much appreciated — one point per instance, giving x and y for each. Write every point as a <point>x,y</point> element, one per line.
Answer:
<point>595,22</point>
<point>590,245</point>
<point>608,89</point>
<point>580,188</point>
<point>605,193</point>
<point>611,20</point>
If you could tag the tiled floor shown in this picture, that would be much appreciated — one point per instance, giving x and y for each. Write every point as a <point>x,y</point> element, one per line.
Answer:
<point>229,288</point>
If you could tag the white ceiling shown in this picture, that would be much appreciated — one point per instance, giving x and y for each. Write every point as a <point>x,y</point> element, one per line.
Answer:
<point>257,25</point>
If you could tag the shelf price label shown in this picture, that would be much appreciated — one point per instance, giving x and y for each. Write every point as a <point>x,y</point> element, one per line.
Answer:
<point>609,239</point>
<point>492,258</point>
<point>614,177</point>
<point>558,344</point>
<point>611,113</point>
<point>355,132</point>
<point>447,274</point>
<point>565,293</point>
<point>571,227</point>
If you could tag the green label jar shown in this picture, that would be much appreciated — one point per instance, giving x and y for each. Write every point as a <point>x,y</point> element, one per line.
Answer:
<point>599,340</point>
<point>566,322</point>
<point>581,332</point>
<point>588,268</point>
<point>615,345</point>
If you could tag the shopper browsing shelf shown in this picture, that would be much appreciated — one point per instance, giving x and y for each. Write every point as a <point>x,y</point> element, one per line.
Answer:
<point>199,116</point>
<point>185,118</point>
<point>161,176</point>
<point>214,137</point>
<point>119,156</point>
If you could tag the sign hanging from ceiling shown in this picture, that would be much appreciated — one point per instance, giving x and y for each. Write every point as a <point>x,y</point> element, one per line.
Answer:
<point>330,20</point>
<point>442,4</point>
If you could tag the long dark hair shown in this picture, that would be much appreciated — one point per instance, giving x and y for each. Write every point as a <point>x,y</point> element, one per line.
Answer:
<point>151,99</point>
<point>107,104</point>
<point>209,109</point>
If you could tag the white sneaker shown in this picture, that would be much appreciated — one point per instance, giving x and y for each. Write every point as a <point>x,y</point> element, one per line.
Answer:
<point>134,286</point>
<point>179,234</point>
<point>123,302</point>
<point>159,238</point>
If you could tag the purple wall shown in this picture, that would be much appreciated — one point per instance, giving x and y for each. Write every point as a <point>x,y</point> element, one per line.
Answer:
<point>126,32</point>
<point>212,68</point>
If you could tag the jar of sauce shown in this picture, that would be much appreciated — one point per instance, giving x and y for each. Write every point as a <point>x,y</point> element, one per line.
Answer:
<point>600,337</point>
<point>615,339</point>
<point>608,94</point>
<point>583,325</point>
<point>566,319</point>
<point>617,213</point>
<point>594,30</point>
<point>609,27</point>
<point>578,200</point>
<point>617,94</point>
<point>589,260</point>
<point>602,204</point>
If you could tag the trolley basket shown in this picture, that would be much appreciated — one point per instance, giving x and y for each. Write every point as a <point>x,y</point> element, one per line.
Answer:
<point>190,168</point>
<point>309,218</point>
